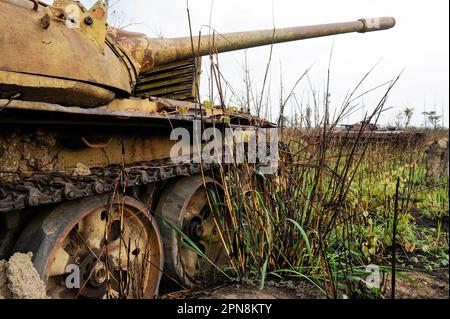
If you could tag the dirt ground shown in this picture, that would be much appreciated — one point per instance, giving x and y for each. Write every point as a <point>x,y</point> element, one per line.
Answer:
<point>272,290</point>
<point>416,286</point>
<point>419,286</point>
<point>19,279</point>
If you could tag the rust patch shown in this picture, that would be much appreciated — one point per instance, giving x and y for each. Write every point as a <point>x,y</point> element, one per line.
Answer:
<point>99,13</point>
<point>137,47</point>
<point>58,52</point>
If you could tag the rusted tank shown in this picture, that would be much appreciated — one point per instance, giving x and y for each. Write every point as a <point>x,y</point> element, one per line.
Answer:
<point>73,60</point>
<point>366,132</point>
<point>87,183</point>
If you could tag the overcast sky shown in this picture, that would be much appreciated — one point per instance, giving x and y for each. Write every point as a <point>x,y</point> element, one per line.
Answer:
<point>419,44</point>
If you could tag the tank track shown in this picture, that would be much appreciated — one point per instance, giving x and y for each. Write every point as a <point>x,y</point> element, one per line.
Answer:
<point>44,188</point>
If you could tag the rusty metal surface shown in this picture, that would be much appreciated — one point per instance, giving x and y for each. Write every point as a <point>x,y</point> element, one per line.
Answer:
<point>132,105</point>
<point>136,45</point>
<point>53,90</point>
<point>178,81</point>
<point>44,188</point>
<point>169,112</point>
<point>55,58</point>
<point>150,53</point>
<point>369,132</point>
<point>136,149</point>
<point>58,52</point>
<point>47,235</point>
<point>184,203</point>
<point>112,110</point>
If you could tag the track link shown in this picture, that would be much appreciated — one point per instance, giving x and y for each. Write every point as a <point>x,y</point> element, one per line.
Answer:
<point>43,188</point>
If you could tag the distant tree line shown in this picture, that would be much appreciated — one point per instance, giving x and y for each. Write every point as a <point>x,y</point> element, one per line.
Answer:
<point>403,119</point>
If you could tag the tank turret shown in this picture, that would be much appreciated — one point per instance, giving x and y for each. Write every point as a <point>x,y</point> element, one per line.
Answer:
<point>66,54</point>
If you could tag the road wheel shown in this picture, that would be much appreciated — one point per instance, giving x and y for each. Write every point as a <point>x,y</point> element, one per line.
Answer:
<point>184,206</point>
<point>114,245</point>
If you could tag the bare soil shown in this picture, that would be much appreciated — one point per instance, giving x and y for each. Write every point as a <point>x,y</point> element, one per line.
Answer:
<point>418,286</point>
<point>414,286</point>
<point>423,221</point>
<point>19,279</point>
<point>272,290</point>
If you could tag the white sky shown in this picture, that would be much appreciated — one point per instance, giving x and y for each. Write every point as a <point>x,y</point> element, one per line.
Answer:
<point>419,44</point>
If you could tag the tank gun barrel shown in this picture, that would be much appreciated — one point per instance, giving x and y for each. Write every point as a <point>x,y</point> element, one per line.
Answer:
<point>74,58</point>
<point>151,52</point>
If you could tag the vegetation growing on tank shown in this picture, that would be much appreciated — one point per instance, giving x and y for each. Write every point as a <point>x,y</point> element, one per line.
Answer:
<point>329,212</point>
